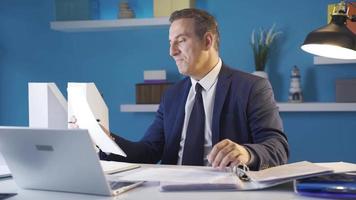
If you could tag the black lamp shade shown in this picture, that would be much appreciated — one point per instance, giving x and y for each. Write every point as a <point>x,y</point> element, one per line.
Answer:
<point>334,40</point>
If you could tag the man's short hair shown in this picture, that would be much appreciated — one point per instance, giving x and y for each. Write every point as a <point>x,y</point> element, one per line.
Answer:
<point>203,22</point>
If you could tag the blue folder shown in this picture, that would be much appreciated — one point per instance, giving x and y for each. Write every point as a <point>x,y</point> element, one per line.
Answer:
<point>340,186</point>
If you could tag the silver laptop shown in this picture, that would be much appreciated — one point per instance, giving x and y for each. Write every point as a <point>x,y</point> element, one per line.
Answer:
<point>59,160</point>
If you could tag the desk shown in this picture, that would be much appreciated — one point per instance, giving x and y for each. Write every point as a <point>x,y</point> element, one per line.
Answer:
<point>150,190</point>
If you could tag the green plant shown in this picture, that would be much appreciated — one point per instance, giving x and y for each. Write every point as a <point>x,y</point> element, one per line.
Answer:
<point>261,44</point>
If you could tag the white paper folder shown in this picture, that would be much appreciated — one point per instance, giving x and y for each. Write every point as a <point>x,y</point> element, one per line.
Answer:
<point>180,178</point>
<point>87,107</point>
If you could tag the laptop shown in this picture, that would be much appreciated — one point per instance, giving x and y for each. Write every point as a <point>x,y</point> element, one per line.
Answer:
<point>57,160</point>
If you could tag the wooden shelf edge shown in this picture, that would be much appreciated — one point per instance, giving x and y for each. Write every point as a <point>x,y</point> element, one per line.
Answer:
<point>283,107</point>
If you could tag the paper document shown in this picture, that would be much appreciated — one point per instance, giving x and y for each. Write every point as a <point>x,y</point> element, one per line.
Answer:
<point>181,174</point>
<point>339,167</point>
<point>111,167</point>
<point>79,97</point>
<point>287,171</point>
<point>2,160</point>
<point>4,171</point>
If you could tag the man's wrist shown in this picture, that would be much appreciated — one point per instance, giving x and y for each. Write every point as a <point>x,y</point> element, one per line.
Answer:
<point>253,160</point>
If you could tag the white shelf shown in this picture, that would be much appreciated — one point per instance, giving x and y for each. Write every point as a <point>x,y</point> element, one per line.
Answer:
<point>105,25</point>
<point>326,61</point>
<point>317,107</point>
<point>283,107</point>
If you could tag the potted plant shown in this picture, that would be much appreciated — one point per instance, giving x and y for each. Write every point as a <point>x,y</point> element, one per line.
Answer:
<point>261,45</point>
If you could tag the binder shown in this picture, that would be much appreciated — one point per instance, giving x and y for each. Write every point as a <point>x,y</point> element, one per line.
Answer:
<point>243,179</point>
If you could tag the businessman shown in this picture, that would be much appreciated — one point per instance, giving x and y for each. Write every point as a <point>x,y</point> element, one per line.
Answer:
<point>216,115</point>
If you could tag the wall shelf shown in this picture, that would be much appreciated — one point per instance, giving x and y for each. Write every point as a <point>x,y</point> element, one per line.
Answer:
<point>106,25</point>
<point>283,107</point>
<point>326,61</point>
<point>317,107</point>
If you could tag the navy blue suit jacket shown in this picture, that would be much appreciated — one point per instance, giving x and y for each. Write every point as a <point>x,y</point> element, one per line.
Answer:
<point>244,112</point>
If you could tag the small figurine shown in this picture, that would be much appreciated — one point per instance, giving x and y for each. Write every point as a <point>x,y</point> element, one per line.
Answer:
<point>295,90</point>
<point>125,11</point>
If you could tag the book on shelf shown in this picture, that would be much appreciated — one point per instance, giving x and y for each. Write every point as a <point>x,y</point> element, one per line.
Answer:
<point>150,93</point>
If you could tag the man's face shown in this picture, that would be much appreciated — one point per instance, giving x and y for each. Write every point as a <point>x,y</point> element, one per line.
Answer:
<point>186,48</point>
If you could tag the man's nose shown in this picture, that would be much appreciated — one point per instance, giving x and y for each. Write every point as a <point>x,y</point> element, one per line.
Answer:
<point>173,50</point>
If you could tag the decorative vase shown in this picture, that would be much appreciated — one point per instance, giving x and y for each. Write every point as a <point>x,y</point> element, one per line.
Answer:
<point>262,74</point>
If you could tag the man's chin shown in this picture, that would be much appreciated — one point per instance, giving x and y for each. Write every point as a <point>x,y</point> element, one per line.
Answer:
<point>182,69</point>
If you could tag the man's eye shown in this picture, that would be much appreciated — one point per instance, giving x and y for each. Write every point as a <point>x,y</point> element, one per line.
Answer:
<point>181,40</point>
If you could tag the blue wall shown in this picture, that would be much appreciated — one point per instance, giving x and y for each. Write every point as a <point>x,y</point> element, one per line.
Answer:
<point>115,60</point>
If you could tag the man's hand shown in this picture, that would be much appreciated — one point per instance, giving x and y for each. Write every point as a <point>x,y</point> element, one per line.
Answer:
<point>228,153</point>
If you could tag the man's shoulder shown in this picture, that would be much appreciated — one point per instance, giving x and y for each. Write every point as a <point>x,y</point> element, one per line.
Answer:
<point>178,88</point>
<point>238,75</point>
<point>179,85</point>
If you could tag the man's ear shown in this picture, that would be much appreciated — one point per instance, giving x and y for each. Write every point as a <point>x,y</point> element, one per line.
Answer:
<point>208,40</point>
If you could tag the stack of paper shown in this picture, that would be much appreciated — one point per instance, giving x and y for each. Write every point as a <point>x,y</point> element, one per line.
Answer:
<point>111,167</point>
<point>4,171</point>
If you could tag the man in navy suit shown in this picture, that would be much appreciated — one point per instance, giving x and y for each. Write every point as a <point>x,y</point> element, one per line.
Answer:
<point>240,121</point>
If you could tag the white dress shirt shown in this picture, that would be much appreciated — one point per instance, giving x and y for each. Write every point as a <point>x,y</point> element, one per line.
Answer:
<point>208,93</point>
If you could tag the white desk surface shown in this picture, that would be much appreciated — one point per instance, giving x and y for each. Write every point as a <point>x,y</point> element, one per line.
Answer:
<point>150,190</point>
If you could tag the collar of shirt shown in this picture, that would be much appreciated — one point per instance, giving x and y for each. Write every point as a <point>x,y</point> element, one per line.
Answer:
<point>208,80</point>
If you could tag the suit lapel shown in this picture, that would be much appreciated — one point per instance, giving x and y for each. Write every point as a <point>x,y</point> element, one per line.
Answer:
<point>178,124</point>
<point>222,88</point>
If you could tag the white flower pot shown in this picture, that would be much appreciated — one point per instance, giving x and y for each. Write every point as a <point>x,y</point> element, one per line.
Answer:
<point>262,74</point>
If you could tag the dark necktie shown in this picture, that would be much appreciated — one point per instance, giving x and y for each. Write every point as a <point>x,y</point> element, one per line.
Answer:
<point>193,152</point>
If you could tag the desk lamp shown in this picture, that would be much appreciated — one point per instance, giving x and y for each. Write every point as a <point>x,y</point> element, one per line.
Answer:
<point>334,40</point>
